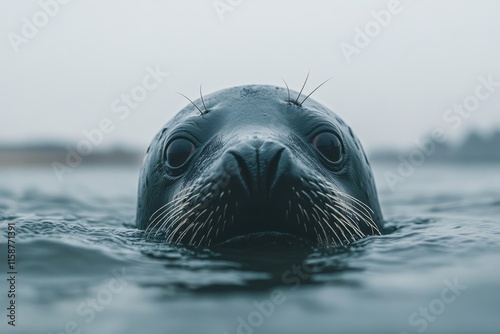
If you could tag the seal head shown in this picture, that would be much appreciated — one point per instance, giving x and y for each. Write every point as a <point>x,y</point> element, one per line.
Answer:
<point>257,165</point>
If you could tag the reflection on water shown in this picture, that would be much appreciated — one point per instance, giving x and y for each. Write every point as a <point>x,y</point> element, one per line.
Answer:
<point>82,263</point>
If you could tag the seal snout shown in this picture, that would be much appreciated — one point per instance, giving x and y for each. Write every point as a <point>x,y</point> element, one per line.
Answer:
<point>265,180</point>
<point>260,164</point>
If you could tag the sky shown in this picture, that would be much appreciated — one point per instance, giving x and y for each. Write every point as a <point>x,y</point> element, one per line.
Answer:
<point>397,67</point>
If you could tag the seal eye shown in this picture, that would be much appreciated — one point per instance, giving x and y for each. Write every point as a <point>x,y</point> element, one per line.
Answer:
<point>329,146</point>
<point>178,151</point>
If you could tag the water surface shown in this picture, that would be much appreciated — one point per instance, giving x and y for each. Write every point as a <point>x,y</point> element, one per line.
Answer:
<point>82,264</point>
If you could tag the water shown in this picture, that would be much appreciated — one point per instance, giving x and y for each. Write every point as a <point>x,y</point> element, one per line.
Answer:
<point>74,239</point>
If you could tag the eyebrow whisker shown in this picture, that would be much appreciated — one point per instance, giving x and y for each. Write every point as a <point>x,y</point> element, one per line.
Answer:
<point>287,89</point>
<point>300,93</point>
<point>315,89</point>
<point>203,100</point>
<point>201,112</point>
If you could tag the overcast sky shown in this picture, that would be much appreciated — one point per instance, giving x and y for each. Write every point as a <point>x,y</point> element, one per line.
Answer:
<point>393,91</point>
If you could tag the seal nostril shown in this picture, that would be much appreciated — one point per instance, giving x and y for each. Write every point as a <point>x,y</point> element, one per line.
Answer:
<point>244,171</point>
<point>272,170</point>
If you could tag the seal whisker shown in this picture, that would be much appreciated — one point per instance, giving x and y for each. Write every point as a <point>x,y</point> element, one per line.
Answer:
<point>334,232</point>
<point>342,205</point>
<point>186,214</point>
<point>165,219</point>
<point>343,223</point>
<point>300,93</point>
<point>323,229</point>
<point>340,228</point>
<point>307,195</point>
<point>201,112</point>
<point>190,214</point>
<point>300,209</point>
<point>183,233</point>
<point>318,218</point>
<point>315,89</point>
<point>200,226</point>
<point>201,240</point>
<point>208,233</point>
<point>166,216</point>
<point>325,217</point>
<point>172,217</point>
<point>348,222</point>
<point>193,223</point>
<point>158,221</point>
<point>320,240</point>
<point>332,197</point>
<point>343,220</point>
<point>203,102</point>
<point>168,203</point>
<point>206,220</point>
<point>224,215</point>
<point>304,213</point>
<point>218,227</point>
<point>288,90</point>
<point>363,205</point>
<point>363,215</point>
<point>170,238</point>
<point>165,207</point>
<point>197,229</point>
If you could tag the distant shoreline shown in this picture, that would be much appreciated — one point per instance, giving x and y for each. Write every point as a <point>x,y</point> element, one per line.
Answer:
<point>36,155</point>
<point>475,149</point>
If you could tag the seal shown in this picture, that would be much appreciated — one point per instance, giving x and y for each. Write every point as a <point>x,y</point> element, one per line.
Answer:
<point>255,163</point>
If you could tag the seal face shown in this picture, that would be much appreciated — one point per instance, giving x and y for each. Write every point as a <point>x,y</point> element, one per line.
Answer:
<point>257,165</point>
